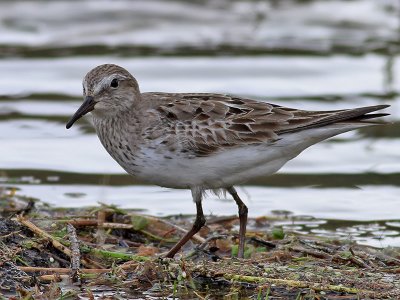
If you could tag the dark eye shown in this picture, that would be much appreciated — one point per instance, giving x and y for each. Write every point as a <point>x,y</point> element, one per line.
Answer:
<point>114,83</point>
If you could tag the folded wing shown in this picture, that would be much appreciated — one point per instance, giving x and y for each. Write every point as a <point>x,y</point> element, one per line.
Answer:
<point>206,123</point>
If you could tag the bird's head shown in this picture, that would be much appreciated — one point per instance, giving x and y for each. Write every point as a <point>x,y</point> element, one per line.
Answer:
<point>107,90</point>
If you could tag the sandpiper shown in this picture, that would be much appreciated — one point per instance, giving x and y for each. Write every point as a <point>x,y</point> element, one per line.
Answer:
<point>203,141</point>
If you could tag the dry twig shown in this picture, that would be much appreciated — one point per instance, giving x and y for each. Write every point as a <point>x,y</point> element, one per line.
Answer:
<point>43,234</point>
<point>298,284</point>
<point>75,254</point>
<point>62,270</point>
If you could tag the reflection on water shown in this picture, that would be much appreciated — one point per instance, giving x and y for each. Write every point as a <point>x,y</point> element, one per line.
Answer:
<point>374,233</point>
<point>295,53</point>
<point>190,27</point>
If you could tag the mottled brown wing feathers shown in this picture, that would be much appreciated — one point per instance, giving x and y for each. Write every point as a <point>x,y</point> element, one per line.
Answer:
<point>207,122</point>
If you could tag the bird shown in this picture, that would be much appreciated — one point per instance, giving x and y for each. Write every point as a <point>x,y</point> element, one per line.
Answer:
<point>203,141</point>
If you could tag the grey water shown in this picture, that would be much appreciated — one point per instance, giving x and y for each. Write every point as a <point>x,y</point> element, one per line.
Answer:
<point>316,55</point>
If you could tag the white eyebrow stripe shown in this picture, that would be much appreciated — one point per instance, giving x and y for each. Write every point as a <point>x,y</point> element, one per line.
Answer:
<point>105,82</point>
<point>102,84</point>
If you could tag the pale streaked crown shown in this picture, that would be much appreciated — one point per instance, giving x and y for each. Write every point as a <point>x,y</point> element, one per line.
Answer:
<point>99,78</point>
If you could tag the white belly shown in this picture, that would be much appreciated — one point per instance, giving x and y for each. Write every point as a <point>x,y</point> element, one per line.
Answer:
<point>228,167</point>
<point>222,170</point>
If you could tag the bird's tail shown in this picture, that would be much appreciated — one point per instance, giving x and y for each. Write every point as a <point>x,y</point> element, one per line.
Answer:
<point>356,116</point>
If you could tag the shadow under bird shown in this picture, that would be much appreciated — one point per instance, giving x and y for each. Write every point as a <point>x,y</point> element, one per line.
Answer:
<point>203,141</point>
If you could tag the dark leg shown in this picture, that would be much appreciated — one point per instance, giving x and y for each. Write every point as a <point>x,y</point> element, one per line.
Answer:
<point>197,225</point>
<point>242,219</point>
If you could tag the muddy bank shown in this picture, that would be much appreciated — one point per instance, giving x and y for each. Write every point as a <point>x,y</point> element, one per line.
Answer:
<point>107,253</point>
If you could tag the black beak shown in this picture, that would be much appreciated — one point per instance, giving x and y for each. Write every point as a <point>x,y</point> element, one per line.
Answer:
<point>87,106</point>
